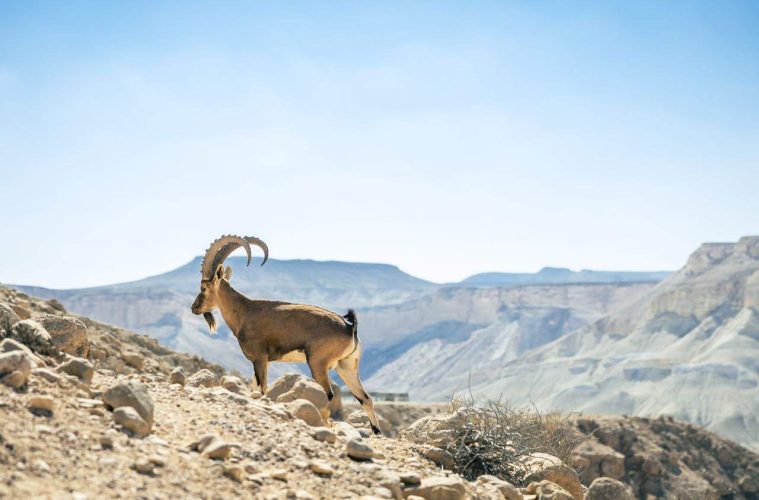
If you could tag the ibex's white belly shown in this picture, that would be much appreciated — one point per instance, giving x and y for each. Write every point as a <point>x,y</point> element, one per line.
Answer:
<point>292,357</point>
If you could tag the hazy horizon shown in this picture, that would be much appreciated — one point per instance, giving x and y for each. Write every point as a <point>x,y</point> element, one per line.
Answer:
<point>444,138</point>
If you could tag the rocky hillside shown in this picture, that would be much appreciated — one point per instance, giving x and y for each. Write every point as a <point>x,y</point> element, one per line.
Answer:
<point>91,411</point>
<point>689,348</point>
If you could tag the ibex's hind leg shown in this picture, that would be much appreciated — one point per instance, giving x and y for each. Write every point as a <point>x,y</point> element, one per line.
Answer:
<point>348,370</point>
<point>260,368</point>
<point>320,373</point>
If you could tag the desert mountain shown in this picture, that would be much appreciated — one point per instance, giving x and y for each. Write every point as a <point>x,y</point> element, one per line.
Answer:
<point>396,310</point>
<point>689,348</point>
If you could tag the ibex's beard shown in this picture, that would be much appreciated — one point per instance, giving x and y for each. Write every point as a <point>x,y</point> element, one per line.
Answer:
<point>211,321</point>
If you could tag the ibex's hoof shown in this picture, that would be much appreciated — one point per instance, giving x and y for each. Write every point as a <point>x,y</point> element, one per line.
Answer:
<point>376,430</point>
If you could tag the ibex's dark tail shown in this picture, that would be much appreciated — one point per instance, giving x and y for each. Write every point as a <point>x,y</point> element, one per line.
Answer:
<point>352,322</point>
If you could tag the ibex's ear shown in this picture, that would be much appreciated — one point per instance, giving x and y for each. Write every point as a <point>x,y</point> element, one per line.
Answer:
<point>227,273</point>
<point>219,272</point>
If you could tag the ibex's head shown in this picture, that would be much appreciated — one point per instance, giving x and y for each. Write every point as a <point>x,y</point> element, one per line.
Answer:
<point>213,272</point>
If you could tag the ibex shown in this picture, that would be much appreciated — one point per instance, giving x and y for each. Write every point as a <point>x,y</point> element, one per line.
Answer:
<point>280,331</point>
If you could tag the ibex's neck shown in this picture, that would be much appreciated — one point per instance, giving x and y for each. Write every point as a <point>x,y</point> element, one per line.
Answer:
<point>232,306</point>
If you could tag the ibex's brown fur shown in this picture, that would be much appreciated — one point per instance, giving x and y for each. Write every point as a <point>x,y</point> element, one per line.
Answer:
<point>280,331</point>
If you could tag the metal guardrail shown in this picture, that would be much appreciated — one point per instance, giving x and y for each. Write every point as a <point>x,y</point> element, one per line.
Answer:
<point>381,396</point>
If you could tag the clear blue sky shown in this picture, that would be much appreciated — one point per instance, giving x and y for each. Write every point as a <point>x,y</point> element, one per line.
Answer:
<point>447,138</point>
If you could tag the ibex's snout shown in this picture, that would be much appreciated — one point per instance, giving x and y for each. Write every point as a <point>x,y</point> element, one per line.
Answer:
<point>196,306</point>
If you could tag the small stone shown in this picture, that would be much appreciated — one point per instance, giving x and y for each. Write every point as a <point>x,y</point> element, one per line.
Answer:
<point>358,450</point>
<point>410,478</point>
<point>78,367</point>
<point>233,472</point>
<point>44,404</point>
<point>440,457</point>
<point>306,411</point>
<point>321,467</point>
<point>177,376</point>
<point>324,434</point>
<point>440,488</point>
<point>46,374</point>
<point>128,418</point>
<point>106,442</point>
<point>133,359</point>
<point>232,383</point>
<point>40,465</point>
<point>278,474</point>
<point>143,466</point>
<point>157,460</point>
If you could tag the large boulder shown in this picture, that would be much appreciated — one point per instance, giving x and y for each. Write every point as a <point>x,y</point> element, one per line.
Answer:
<point>69,335</point>
<point>15,367</point>
<point>299,387</point>
<point>8,317</point>
<point>594,460</point>
<point>544,467</point>
<point>203,378</point>
<point>606,488</point>
<point>133,394</point>
<point>33,335</point>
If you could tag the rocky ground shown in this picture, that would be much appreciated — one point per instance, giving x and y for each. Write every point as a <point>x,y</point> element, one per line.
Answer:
<point>92,411</point>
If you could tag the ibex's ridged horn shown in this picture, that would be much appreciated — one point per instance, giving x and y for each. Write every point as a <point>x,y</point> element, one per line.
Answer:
<point>219,251</point>
<point>260,244</point>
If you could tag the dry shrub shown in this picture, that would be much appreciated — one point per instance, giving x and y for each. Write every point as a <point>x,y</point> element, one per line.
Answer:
<point>495,438</point>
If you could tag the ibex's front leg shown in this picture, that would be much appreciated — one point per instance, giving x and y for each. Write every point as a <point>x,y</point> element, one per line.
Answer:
<point>260,367</point>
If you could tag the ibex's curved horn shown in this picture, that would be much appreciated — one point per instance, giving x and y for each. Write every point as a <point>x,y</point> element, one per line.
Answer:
<point>219,251</point>
<point>260,244</point>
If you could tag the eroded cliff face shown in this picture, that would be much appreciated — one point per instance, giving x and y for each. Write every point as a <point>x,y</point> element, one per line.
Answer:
<point>688,348</point>
<point>485,328</point>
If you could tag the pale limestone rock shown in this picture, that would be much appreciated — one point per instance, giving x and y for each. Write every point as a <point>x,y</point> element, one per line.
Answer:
<point>177,376</point>
<point>358,450</point>
<point>133,394</point>
<point>41,403</point>
<point>130,419</point>
<point>78,367</point>
<point>606,488</point>
<point>15,367</point>
<point>542,466</point>
<point>203,378</point>
<point>306,411</point>
<point>440,488</point>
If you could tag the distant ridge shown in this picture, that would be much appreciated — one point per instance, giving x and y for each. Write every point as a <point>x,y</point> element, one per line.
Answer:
<point>561,275</point>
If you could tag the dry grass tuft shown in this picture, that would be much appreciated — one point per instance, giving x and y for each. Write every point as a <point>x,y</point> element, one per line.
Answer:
<point>495,439</point>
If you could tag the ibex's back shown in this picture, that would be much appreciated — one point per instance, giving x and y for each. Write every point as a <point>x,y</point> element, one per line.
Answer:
<point>281,331</point>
